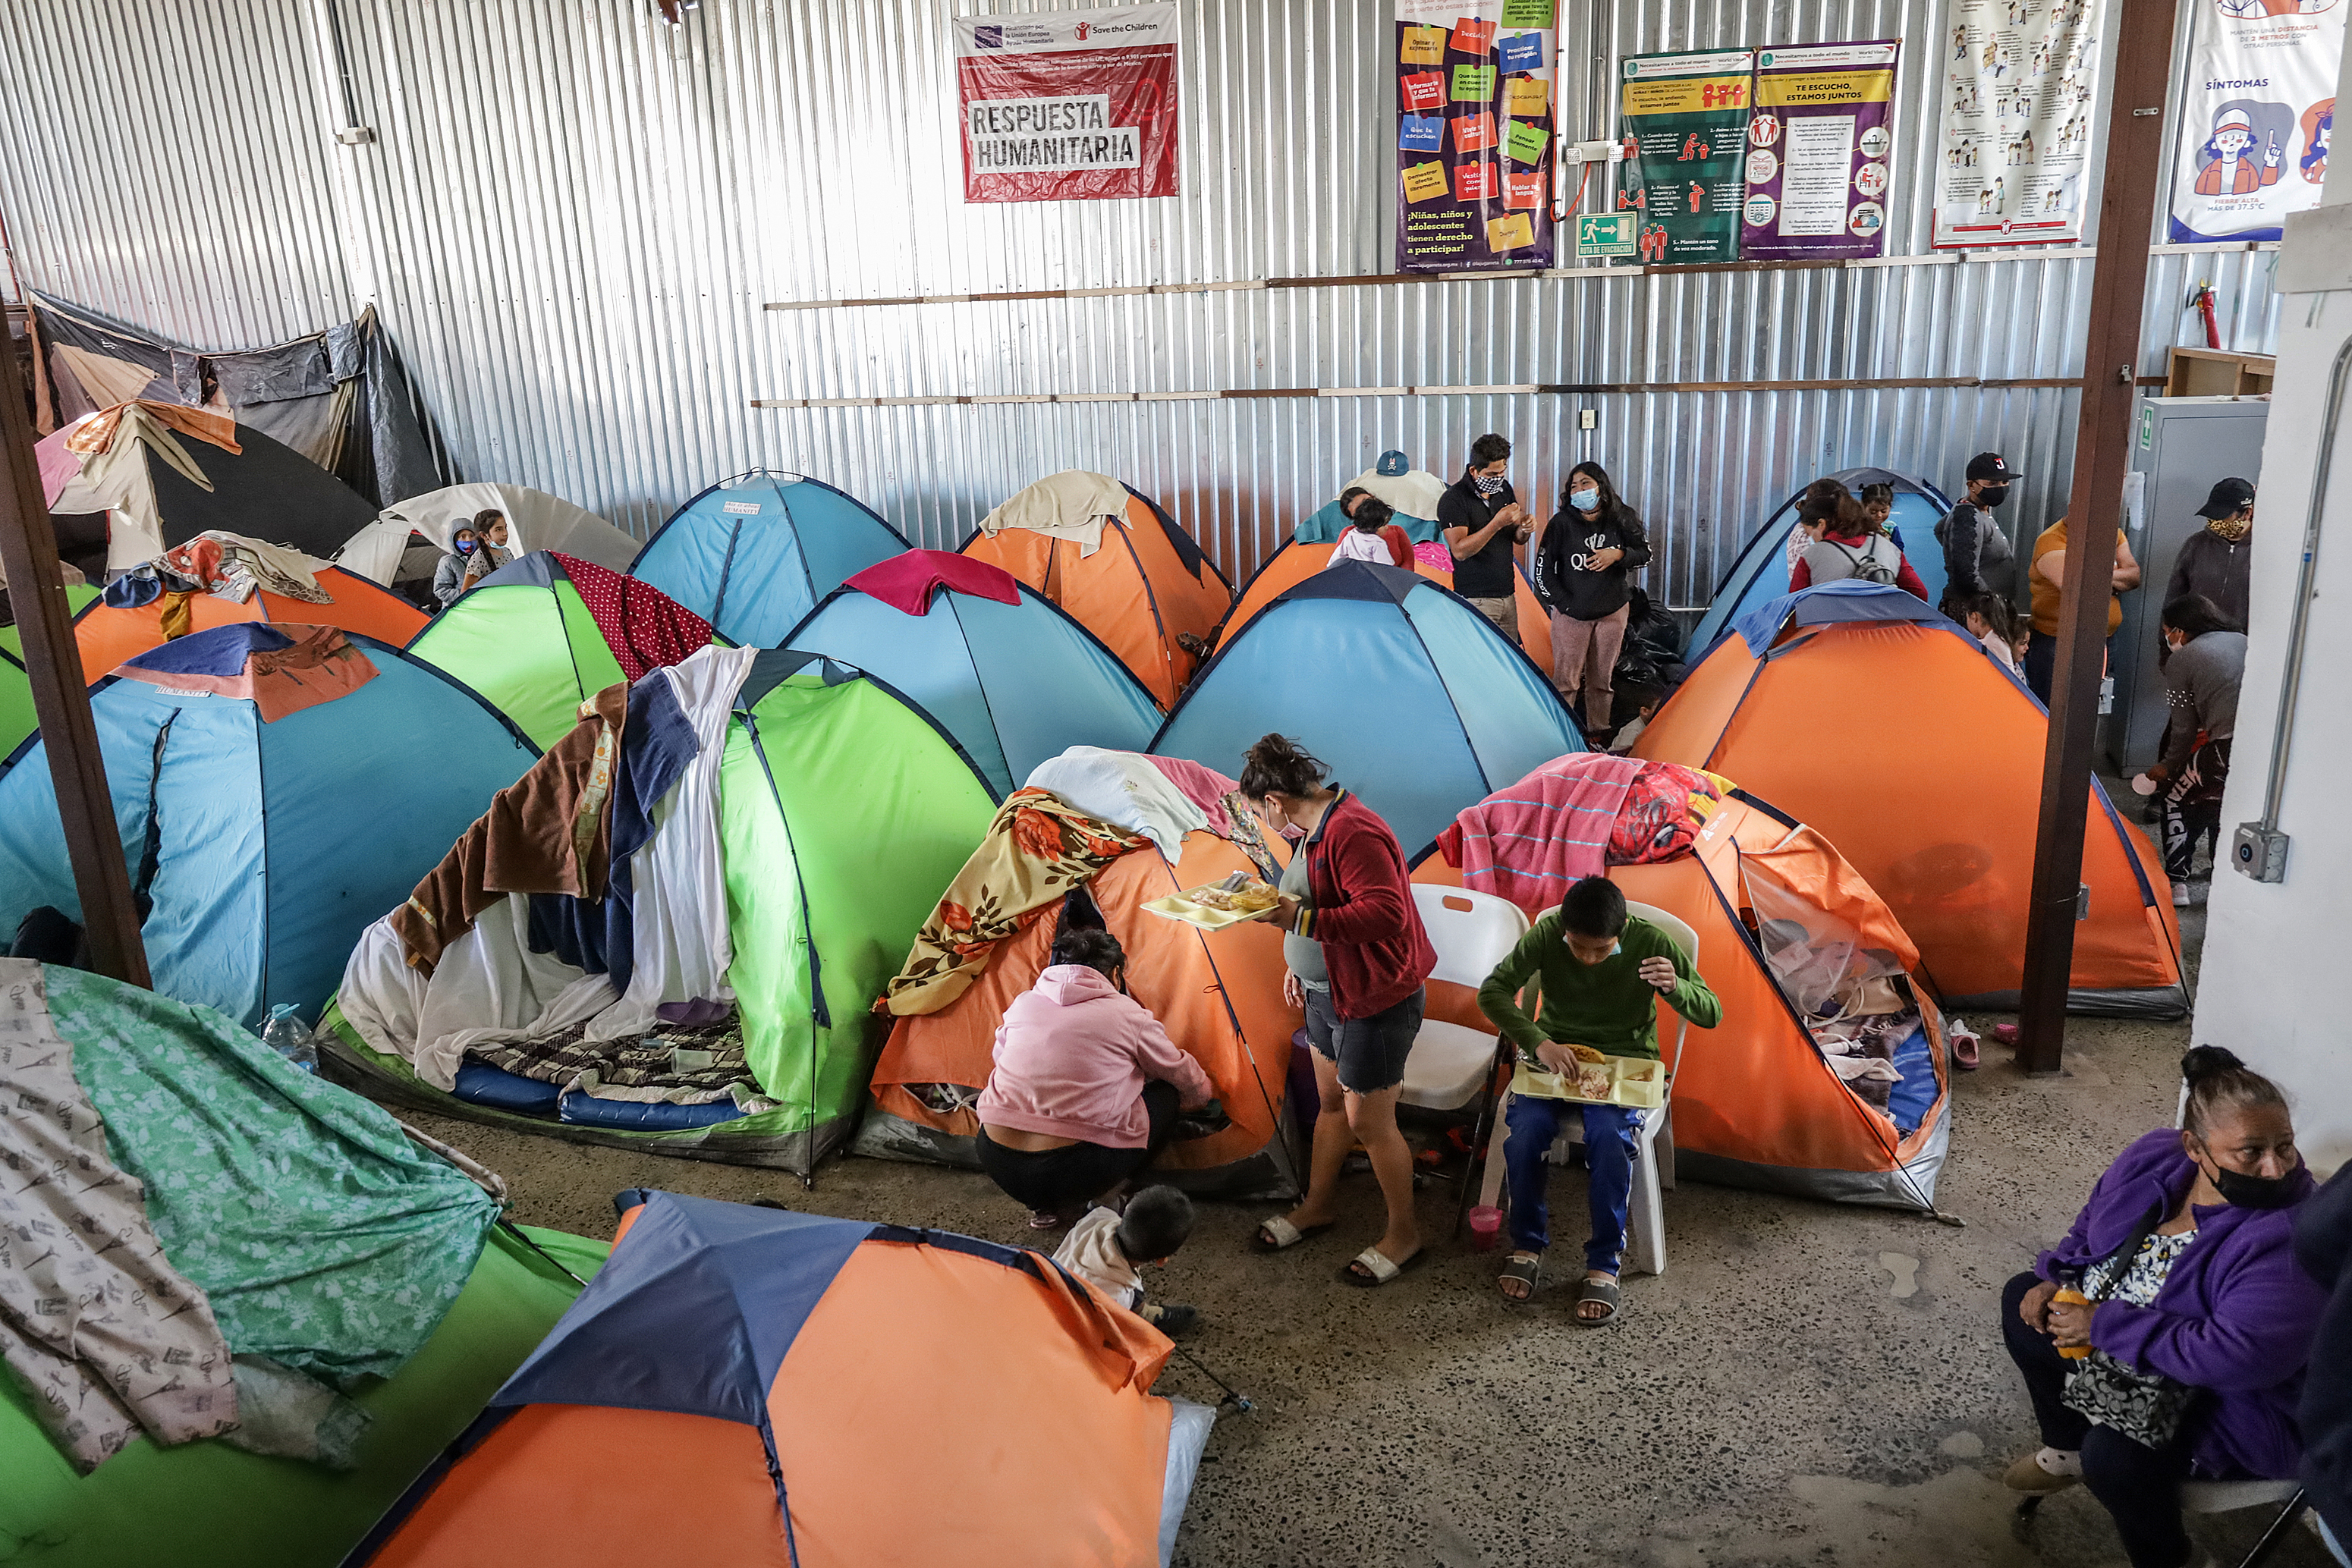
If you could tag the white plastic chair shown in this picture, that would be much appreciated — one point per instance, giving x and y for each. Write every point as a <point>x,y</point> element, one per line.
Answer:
<point>1473,933</point>
<point>1653,1136</point>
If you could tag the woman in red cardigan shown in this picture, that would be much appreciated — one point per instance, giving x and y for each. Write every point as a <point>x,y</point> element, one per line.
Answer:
<point>1358,957</point>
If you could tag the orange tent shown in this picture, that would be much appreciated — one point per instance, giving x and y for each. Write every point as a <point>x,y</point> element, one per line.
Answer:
<point>1755,1103</point>
<point>1295,562</point>
<point>1219,995</point>
<point>1147,587</point>
<point>1883,725</point>
<point>109,636</point>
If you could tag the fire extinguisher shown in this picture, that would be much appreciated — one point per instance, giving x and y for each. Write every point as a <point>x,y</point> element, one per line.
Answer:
<point>2200,299</point>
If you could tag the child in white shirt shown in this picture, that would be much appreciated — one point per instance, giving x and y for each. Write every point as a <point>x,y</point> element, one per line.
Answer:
<point>1108,1250</point>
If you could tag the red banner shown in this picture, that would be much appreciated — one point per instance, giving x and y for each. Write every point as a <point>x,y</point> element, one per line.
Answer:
<point>1068,106</point>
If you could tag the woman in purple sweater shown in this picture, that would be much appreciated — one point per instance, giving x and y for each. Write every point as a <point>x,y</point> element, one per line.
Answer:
<point>2198,1319</point>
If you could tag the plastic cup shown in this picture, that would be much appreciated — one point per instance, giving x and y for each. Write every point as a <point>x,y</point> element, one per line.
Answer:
<point>1485,1225</point>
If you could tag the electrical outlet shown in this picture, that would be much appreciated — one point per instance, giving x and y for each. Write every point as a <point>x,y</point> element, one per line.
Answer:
<point>2259,852</point>
<point>1588,419</point>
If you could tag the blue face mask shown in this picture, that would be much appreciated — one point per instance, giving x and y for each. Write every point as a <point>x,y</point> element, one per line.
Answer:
<point>1585,501</point>
<point>465,547</point>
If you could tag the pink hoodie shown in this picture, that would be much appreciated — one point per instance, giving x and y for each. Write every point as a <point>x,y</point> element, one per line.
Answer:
<point>1072,1056</point>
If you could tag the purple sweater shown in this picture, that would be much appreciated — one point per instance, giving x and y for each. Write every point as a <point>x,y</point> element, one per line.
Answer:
<point>2235,1317</point>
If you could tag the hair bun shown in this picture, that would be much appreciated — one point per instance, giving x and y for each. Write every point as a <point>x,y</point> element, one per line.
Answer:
<point>2201,1061</point>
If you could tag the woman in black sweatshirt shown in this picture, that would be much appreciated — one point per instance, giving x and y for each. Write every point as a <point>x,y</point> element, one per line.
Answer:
<point>1589,549</point>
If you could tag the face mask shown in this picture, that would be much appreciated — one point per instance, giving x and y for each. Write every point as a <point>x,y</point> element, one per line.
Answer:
<point>2240,1190</point>
<point>1585,501</point>
<point>1992,495</point>
<point>465,547</point>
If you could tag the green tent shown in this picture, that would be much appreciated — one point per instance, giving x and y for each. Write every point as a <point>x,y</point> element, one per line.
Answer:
<point>543,634</point>
<point>17,720</point>
<point>843,810</point>
<point>324,1239</point>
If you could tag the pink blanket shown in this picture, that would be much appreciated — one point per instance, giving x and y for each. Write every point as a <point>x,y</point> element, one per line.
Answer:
<point>1528,842</point>
<point>1205,787</point>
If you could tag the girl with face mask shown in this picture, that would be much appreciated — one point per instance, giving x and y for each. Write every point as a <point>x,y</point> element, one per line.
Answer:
<point>2178,1346</point>
<point>459,569</point>
<point>1585,562</point>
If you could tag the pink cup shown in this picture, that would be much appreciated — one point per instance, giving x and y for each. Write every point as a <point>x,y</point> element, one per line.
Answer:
<point>1485,1225</point>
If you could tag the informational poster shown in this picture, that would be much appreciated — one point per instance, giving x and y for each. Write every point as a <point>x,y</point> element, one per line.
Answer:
<point>1068,106</point>
<point>1818,166</point>
<point>2256,115</point>
<point>2013,145</point>
<point>1474,129</point>
<point>1686,116</point>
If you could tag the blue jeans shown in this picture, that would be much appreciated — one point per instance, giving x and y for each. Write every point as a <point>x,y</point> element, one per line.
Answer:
<point>1608,1153</point>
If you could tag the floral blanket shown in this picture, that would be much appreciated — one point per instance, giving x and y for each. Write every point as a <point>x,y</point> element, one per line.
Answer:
<point>1036,850</point>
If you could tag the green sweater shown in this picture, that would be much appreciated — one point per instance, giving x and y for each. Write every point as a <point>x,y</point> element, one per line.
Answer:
<point>1607,1006</point>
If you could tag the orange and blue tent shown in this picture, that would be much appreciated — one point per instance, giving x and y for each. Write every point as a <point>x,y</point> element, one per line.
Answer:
<point>1862,712</point>
<point>754,1386</point>
<point>1299,559</point>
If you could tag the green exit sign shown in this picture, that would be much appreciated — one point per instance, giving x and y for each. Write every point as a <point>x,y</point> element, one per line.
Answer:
<point>1606,233</point>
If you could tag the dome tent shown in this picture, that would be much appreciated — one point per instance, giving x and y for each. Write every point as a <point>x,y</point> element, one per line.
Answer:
<point>1759,572</point>
<point>777,1377</point>
<point>834,811</point>
<point>1144,590</point>
<point>1299,559</point>
<point>110,635</point>
<point>1411,696</point>
<point>17,719</point>
<point>545,633</point>
<point>754,554</point>
<point>1015,679</point>
<point>1956,738</point>
<point>266,782</point>
<point>535,521</point>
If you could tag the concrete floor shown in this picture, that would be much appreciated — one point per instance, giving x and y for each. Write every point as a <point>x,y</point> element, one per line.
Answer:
<point>1807,1384</point>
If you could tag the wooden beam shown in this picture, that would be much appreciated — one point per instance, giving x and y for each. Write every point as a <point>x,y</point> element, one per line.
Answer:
<point>28,553</point>
<point>2101,454</point>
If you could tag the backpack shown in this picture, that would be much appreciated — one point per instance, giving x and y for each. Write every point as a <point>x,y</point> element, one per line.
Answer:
<point>1865,567</point>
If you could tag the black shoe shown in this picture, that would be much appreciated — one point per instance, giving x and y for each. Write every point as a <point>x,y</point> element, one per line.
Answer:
<point>1173,1319</point>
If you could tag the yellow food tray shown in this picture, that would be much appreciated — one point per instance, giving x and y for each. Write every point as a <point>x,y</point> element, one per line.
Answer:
<point>1638,1082</point>
<point>1181,906</point>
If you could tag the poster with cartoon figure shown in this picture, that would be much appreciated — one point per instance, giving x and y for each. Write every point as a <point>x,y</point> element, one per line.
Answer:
<point>1687,117</point>
<point>2014,138</point>
<point>2256,115</point>
<point>1818,143</point>
<point>1475,134</point>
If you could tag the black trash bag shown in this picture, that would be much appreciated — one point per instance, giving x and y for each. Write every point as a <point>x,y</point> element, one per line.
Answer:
<point>49,936</point>
<point>1650,658</point>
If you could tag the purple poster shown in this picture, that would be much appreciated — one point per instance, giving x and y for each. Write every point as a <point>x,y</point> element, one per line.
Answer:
<point>1475,131</point>
<point>1818,161</point>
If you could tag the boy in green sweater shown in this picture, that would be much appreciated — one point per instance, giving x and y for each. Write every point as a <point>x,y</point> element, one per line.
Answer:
<point>1602,972</point>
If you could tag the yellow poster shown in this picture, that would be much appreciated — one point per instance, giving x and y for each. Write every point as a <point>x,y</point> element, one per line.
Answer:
<point>1425,182</point>
<point>1684,95</point>
<point>1826,86</point>
<point>1422,46</point>
<point>1527,97</point>
<point>1514,233</point>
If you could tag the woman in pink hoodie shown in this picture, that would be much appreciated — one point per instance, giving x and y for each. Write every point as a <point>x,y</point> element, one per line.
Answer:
<point>1087,1085</point>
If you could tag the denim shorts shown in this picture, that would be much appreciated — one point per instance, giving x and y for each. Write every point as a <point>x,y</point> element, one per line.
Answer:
<point>1369,1052</point>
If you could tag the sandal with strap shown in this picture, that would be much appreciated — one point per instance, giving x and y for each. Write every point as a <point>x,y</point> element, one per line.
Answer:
<point>1607,1293</point>
<point>1527,1270</point>
<point>1278,1235</point>
<point>1371,1268</point>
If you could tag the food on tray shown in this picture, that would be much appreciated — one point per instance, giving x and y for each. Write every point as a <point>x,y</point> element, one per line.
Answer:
<point>1593,1083</point>
<point>1251,898</point>
<point>1586,1053</point>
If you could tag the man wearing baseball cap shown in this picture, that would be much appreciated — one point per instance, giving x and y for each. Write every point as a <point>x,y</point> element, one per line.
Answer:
<point>1978,557</point>
<point>2215,561</point>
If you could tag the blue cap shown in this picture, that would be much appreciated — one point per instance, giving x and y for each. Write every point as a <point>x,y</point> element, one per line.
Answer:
<point>1391,464</point>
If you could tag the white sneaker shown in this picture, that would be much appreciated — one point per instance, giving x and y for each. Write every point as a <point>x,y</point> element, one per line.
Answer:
<point>2186,896</point>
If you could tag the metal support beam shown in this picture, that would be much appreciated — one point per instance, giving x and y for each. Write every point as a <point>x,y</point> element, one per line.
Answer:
<point>2102,453</point>
<point>28,553</point>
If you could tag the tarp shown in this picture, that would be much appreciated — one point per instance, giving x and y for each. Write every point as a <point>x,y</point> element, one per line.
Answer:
<point>776,1377</point>
<point>338,397</point>
<point>1411,696</point>
<point>1144,592</point>
<point>1881,724</point>
<point>754,554</point>
<point>1014,683</point>
<point>264,848</point>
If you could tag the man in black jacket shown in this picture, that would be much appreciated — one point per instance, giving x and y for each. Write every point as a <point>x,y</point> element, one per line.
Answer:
<point>2323,1244</point>
<point>1483,525</point>
<point>2217,559</point>
<point>1978,557</point>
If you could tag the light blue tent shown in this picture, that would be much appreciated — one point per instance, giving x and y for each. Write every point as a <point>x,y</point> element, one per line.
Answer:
<point>754,554</point>
<point>1003,669</point>
<point>1411,697</point>
<point>1328,522</point>
<point>1759,574</point>
<point>281,788</point>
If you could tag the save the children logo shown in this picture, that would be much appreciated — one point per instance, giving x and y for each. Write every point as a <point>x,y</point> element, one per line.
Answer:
<point>1081,30</point>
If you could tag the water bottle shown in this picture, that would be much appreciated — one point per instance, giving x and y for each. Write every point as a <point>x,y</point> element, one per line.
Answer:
<point>286,1034</point>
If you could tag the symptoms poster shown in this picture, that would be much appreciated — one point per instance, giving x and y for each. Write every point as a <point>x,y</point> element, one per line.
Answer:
<point>1068,106</point>
<point>2257,111</point>
<point>1474,132</point>
<point>2017,80</point>
<point>1817,166</point>
<point>1688,117</point>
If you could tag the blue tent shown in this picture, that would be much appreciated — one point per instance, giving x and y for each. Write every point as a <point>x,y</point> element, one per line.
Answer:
<point>1006,672</point>
<point>281,788</point>
<point>1760,572</point>
<point>1410,695</point>
<point>1328,522</point>
<point>754,554</point>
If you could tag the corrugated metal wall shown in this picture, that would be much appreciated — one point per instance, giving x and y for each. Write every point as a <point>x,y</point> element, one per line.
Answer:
<point>572,216</point>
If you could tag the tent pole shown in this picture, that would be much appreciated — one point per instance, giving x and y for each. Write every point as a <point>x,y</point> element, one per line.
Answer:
<point>28,554</point>
<point>2102,453</point>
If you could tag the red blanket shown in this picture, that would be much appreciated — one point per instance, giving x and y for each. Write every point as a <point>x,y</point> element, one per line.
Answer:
<point>905,582</point>
<point>644,627</point>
